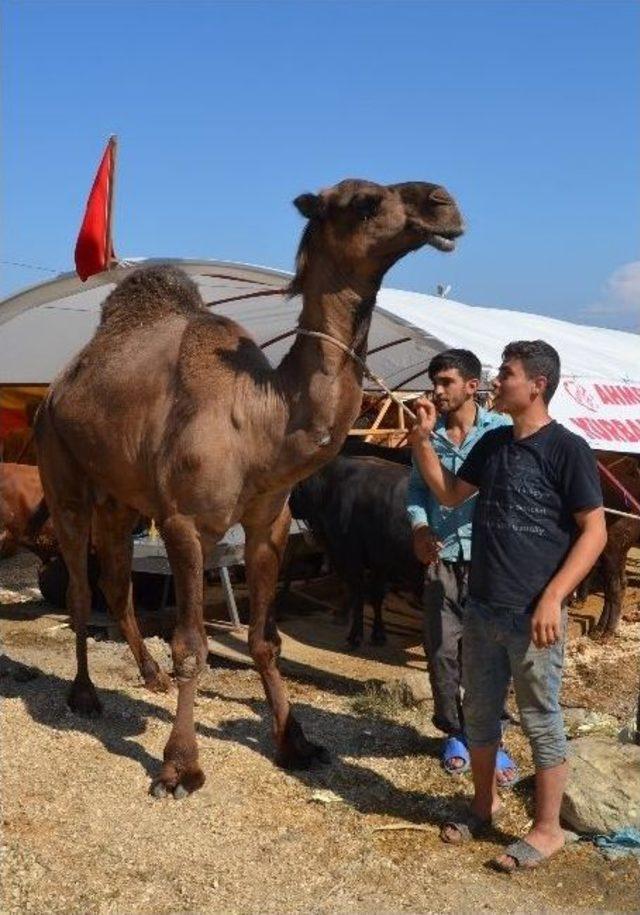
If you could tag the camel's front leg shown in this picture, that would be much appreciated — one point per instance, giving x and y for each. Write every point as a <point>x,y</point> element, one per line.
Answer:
<point>264,549</point>
<point>180,772</point>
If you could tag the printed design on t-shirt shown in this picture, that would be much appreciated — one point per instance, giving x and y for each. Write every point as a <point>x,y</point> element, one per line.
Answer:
<point>524,520</point>
<point>522,505</point>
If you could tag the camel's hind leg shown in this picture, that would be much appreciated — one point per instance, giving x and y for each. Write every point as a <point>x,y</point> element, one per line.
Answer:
<point>68,495</point>
<point>113,524</point>
<point>264,548</point>
<point>181,772</point>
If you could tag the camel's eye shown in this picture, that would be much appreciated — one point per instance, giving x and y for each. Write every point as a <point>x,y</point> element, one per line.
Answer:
<point>366,205</point>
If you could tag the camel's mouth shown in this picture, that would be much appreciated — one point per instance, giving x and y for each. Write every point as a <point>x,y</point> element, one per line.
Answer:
<point>443,242</point>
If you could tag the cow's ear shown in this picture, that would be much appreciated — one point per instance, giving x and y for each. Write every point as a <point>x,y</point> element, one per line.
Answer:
<point>311,206</point>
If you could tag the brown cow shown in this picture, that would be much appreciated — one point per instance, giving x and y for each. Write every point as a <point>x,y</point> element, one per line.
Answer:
<point>24,520</point>
<point>622,534</point>
<point>25,523</point>
<point>19,446</point>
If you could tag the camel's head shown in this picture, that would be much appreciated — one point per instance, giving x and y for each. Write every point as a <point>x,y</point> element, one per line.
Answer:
<point>367,227</point>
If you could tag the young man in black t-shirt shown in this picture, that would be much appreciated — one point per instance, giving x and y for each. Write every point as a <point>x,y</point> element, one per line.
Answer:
<point>538,528</point>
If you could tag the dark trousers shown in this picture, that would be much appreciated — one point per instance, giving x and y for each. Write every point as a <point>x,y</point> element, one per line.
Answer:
<point>445,591</point>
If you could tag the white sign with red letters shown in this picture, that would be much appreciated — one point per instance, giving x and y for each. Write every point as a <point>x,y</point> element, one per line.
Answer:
<point>605,414</point>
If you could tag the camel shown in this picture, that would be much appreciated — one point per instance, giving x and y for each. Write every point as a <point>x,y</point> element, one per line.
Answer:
<point>175,413</point>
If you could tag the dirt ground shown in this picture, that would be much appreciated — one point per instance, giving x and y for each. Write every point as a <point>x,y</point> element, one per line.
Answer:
<point>81,833</point>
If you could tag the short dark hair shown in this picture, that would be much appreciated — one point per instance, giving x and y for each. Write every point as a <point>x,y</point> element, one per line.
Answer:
<point>466,362</point>
<point>537,358</point>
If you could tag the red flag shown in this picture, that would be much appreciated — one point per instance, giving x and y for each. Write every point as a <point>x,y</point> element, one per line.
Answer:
<point>94,250</point>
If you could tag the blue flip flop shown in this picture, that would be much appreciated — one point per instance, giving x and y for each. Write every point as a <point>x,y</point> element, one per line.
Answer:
<point>504,762</point>
<point>455,747</point>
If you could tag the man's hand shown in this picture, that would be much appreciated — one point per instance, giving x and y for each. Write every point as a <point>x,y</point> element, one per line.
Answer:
<point>426,545</point>
<point>426,417</point>
<point>546,622</point>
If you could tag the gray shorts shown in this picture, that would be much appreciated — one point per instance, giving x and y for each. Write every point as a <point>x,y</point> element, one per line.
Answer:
<point>496,645</point>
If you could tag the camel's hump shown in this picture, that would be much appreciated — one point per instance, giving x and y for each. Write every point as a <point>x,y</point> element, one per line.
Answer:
<point>149,293</point>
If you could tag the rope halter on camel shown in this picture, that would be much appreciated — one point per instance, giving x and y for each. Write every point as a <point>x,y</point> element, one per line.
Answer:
<point>376,380</point>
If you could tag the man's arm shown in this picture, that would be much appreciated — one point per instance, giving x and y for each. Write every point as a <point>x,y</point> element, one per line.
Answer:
<point>591,540</point>
<point>448,489</point>
<point>425,542</point>
<point>417,499</point>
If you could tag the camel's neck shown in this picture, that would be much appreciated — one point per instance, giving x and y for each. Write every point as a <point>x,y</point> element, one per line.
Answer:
<point>322,385</point>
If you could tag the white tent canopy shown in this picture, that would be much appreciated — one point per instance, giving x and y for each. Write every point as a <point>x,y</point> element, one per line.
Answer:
<point>593,352</point>
<point>43,326</point>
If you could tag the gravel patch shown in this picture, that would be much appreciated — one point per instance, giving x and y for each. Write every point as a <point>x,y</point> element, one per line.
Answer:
<point>81,834</point>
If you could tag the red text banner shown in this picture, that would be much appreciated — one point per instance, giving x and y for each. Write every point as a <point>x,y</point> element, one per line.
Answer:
<point>605,414</point>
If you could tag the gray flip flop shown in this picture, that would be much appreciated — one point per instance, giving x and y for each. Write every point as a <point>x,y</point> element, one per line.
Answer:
<point>525,856</point>
<point>470,827</point>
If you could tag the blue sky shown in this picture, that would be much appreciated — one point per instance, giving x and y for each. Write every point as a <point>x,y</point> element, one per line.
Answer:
<point>526,111</point>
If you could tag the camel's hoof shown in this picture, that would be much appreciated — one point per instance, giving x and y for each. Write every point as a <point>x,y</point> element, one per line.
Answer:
<point>159,682</point>
<point>83,700</point>
<point>378,638</point>
<point>158,790</point>
<point>306,757</point>
<point>353,642</point>
<point>180,786</point>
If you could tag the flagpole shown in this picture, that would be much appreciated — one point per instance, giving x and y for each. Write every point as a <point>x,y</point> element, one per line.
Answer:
<point>113,142</point>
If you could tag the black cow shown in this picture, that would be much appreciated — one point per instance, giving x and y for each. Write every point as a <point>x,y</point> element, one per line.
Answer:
<point>355,447</point>
<point>356,507</point>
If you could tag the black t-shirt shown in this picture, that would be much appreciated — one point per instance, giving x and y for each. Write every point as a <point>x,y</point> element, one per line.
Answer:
<point>523,526</point>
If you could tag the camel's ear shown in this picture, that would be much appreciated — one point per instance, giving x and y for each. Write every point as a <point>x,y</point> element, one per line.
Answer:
<point>439,195</point>
<point>309,205</point>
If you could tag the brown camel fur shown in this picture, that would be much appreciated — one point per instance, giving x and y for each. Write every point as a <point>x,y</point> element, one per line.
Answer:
<point>24,520</point>
<point>175,413</point>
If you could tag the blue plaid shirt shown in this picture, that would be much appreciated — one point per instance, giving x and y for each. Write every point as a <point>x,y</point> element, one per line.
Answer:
<point>451,525</point>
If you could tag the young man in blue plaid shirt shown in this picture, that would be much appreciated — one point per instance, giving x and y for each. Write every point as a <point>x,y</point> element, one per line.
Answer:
<point>442,541</point>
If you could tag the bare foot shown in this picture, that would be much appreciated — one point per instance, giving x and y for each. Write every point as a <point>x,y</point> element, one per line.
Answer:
<point>505,777</point>
<point>506,769</point>
<point>453,764</point>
